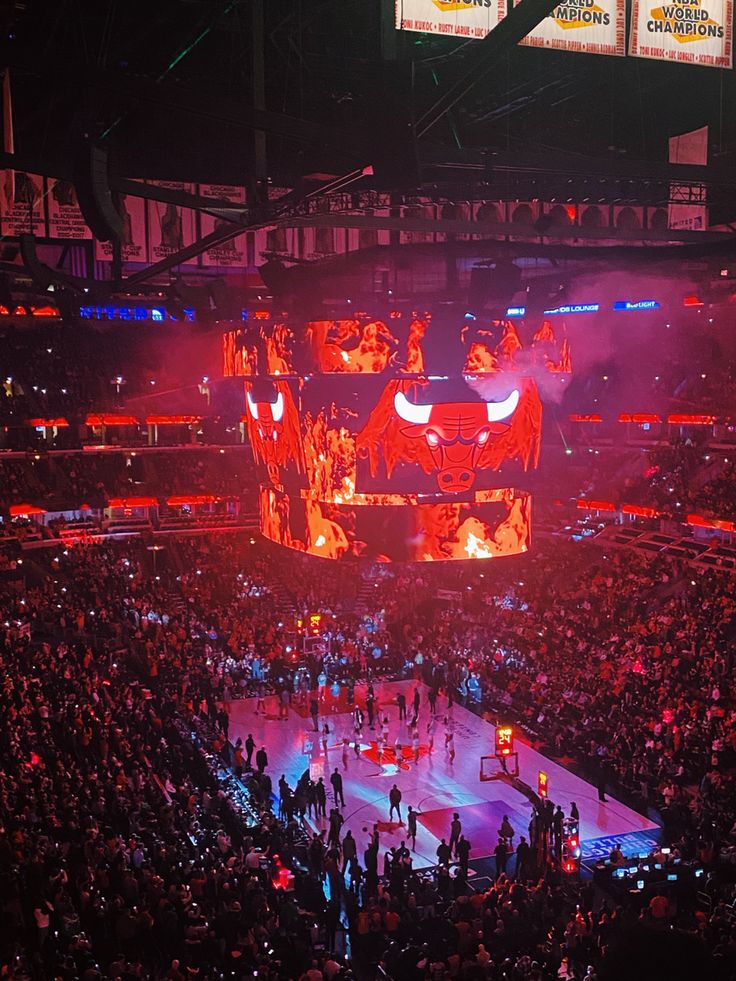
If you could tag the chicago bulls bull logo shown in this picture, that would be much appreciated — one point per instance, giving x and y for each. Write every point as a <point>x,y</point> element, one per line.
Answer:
<point>453,440</point>
<point>455,433</point>
<point>267,416</point>
<point>273,429</point>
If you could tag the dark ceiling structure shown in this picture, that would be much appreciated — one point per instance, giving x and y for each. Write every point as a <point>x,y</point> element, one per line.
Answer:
<point>324,95</point>
<point>172,89</point>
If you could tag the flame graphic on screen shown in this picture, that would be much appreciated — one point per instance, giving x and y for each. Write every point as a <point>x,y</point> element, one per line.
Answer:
<point>545,334</point>
<point>426,532</point>
<point>511,536</point>
<point>451,428</point>
<point>546,350</point>
<point>325,537</point>
<point>326,339</point>
<point>346,346</point>
<point>480,359</point>
<point>414,348</point>
<point>276,340</point>
<point>330,458</point>
<point>544,342</point>
<point>237,359</point>
<point>275,517</point>
<point>451,531</point>
<point>509,345</point>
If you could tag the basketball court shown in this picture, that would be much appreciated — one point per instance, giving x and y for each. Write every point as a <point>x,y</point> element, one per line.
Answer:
<point>434,786</point>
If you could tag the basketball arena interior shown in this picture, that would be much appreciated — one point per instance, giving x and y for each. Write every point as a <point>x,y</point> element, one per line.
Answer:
<point>368,490</point>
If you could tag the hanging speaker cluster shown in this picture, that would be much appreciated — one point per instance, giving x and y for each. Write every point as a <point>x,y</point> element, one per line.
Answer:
<point>91,182</point>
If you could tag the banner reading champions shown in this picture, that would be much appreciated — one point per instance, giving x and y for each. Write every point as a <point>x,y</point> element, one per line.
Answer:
<point>696,32</point>
<point>589,26</point>
<point>455,18</point>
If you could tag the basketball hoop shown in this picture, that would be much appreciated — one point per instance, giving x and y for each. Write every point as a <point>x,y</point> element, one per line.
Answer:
<point>499,768</point>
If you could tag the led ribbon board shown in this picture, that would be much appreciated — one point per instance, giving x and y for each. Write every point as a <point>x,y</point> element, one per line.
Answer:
<point>636,305</point>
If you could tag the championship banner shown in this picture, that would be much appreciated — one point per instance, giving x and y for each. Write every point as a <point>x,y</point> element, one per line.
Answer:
<point>276,238</point>
<point>170,228</point>
<point>133,239</point>
<point>418,208</point>
<point>695,32</point>
<point>587,26</point>
<point>455,18</point>
<point>688,148</point>
<point>21,203</point>
<point>232,252</point>
<point>65,215</point>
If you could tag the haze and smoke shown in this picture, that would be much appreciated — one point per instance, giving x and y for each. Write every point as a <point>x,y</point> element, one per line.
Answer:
<point>616,355</point>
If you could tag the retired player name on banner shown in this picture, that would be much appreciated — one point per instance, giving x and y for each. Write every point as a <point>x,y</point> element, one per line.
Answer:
<point>21,203</point>
<point>231,252</point>
<point>133,238</point>
<point>170,227</point>
<point>65,216</point>
<point>588,26</point>
<point>695,32</point>
<point>455,18</point>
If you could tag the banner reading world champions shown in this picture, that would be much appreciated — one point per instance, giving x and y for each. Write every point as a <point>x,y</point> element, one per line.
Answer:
<point>455,18</point>
<point>696,32</point>
<point>587,26</point>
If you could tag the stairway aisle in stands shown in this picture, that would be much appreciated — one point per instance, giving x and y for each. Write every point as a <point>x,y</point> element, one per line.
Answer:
<point>364,597</point>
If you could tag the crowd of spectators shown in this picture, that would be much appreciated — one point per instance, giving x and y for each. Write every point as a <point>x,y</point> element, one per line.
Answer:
<point>668,481</point>
<point>684,476</point>
<point>67,481</point>
<point>93,478</point>
<point>120,856</point>
<point>123,856</point>
<point>20,481</point>
<point>717,497</point>
<point>69,370</point>
<point>585,654</point>
<point>60,370</point>
<point>200,471</point>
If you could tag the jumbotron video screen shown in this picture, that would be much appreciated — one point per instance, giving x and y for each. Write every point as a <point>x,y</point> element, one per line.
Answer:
<point>404,439</point>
